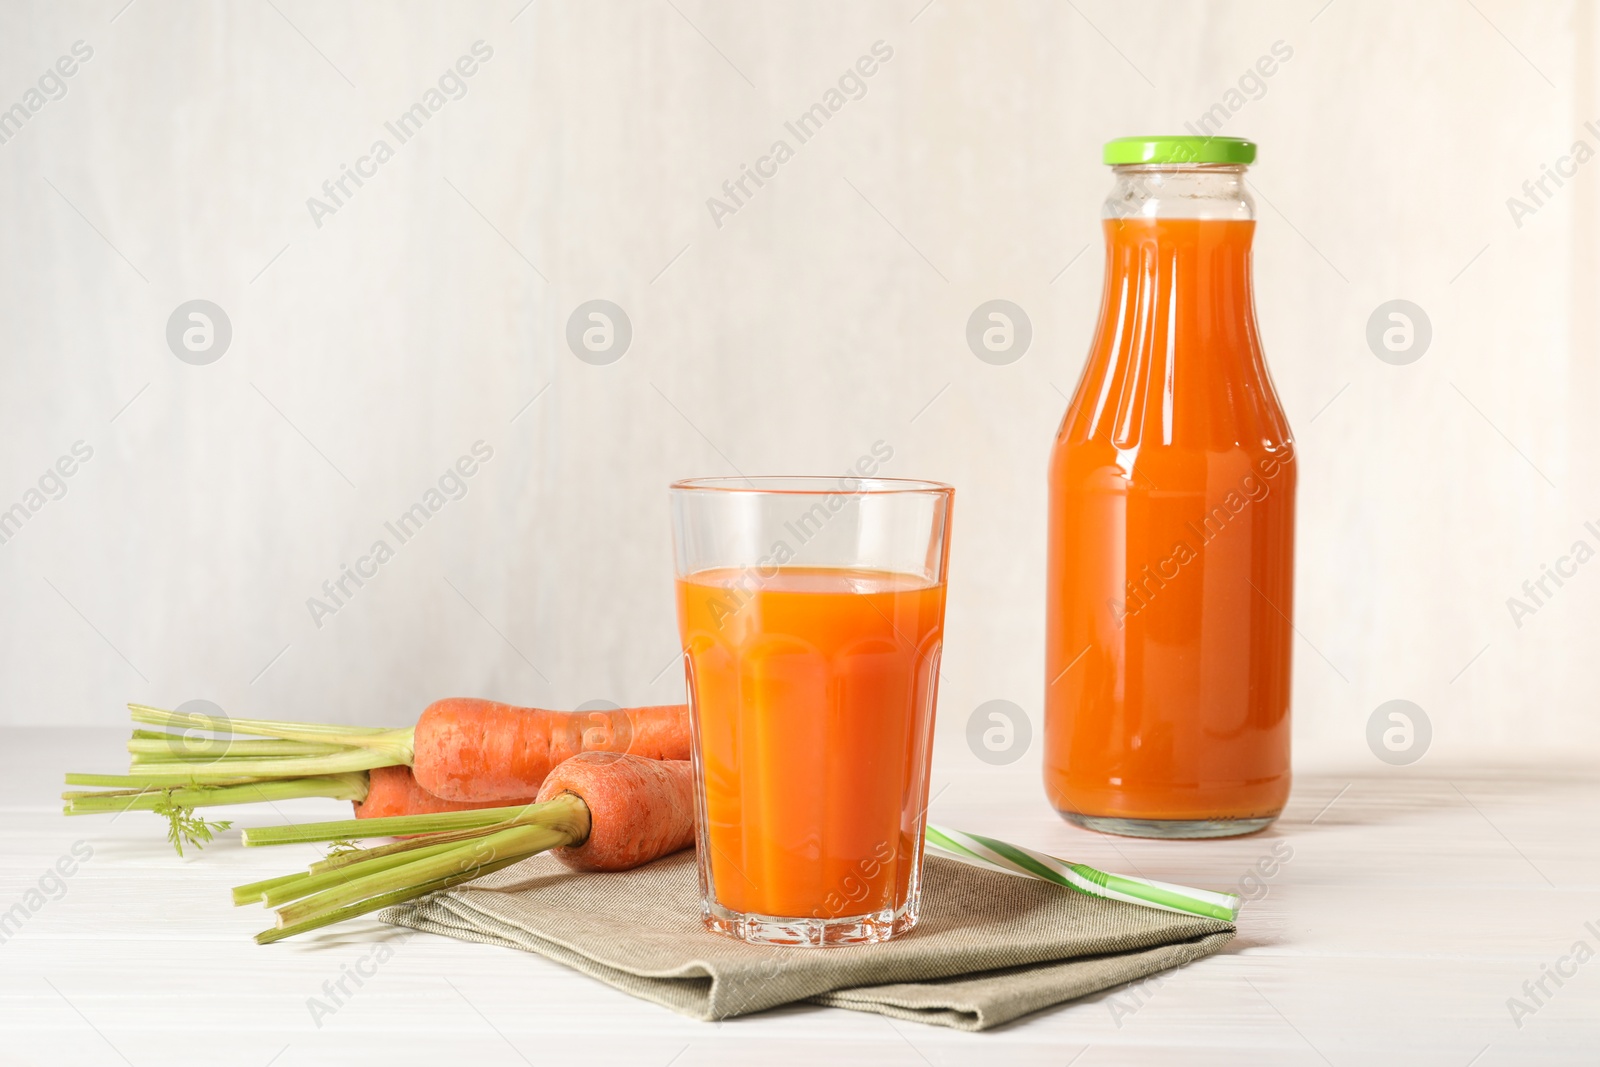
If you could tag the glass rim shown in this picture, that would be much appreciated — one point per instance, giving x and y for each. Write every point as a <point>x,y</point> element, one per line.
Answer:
<point>810,485</point>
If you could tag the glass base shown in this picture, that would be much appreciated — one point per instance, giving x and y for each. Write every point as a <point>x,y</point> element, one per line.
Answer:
<point>813,933</point>
<point>1171,829</point>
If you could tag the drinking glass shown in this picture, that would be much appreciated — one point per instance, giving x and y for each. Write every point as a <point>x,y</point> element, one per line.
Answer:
<point>812,615</point>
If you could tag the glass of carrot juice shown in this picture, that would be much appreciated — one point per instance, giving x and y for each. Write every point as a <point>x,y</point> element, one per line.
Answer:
<point>812,614</point>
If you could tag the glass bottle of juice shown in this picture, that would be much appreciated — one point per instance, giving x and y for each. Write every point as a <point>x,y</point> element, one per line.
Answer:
<point>1171,545</point>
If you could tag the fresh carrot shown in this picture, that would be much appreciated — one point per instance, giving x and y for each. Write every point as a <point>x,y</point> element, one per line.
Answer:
<point>468,749</point>
<point>394,791</point>
<point>599,811</point>
<point>463,751</point>
<point>639,809</point>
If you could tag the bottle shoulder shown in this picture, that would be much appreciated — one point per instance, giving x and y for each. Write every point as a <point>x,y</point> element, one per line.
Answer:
<point>1238,410</point>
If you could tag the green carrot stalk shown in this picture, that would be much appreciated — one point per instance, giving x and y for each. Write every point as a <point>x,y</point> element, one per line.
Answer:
<point>292,750</point>
<point>397,896</point>
<point>456,847</point>
<point>173,773</point>
<point>336,762</point>
<point>249,894</point>
<point>195,760</point>
<point>517,842</point>
<point>137,782</point>
<point>176,803</point>
<point>342,761</point>
<point>274,896</point>
<point>393,826</point>
<point>177,747</point>
<point>288,731</point>
<point>148,796</point>
<point>349,856</point>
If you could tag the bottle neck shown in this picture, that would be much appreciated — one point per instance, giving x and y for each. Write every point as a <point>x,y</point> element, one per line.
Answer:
<point>1184,231</point>
<point>1208,191</point>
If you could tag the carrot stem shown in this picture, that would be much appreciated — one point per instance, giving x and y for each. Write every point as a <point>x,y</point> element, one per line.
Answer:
<point>341,888</point>
<point>398,896</point>
<point>392,826</point>
<point>289,731</point>
<point>177,772</point>
<point>178,747</point>
<point>515,842</point>
<point>340,761</point>
<point>273,896</point>
<point>139,782</point>
<point>249,894</point>
<point>148,798</point>
<point>351,856</point>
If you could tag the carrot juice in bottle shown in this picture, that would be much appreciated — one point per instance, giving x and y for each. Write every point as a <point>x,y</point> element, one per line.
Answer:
<point>1171,543</point>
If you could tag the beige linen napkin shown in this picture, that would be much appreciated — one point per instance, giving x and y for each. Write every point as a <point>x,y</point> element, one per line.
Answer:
<point>989,947</point>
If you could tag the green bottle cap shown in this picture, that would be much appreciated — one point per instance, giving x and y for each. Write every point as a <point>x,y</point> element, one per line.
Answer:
<point>1134,150</point>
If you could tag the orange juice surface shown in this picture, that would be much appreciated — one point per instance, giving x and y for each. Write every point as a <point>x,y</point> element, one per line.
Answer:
<point>812,692</point>
<point>1171,549</point>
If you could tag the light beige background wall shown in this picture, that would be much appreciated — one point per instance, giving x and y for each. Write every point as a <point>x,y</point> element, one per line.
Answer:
<point>828,313</point>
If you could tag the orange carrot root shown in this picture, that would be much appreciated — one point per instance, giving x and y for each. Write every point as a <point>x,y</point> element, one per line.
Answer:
<point>471,750</point>
<point>639,809</point>
<point>394,791</point>
<point>660,732</point>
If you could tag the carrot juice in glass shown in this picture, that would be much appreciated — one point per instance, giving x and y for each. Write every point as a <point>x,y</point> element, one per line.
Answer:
<point>1171,547</point>
<point>811,612</point>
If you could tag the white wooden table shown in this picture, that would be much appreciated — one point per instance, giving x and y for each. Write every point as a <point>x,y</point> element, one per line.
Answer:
<point>1415,904</point>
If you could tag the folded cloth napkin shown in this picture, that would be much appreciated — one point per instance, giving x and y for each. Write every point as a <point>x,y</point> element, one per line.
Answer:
<point>989,947</point>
